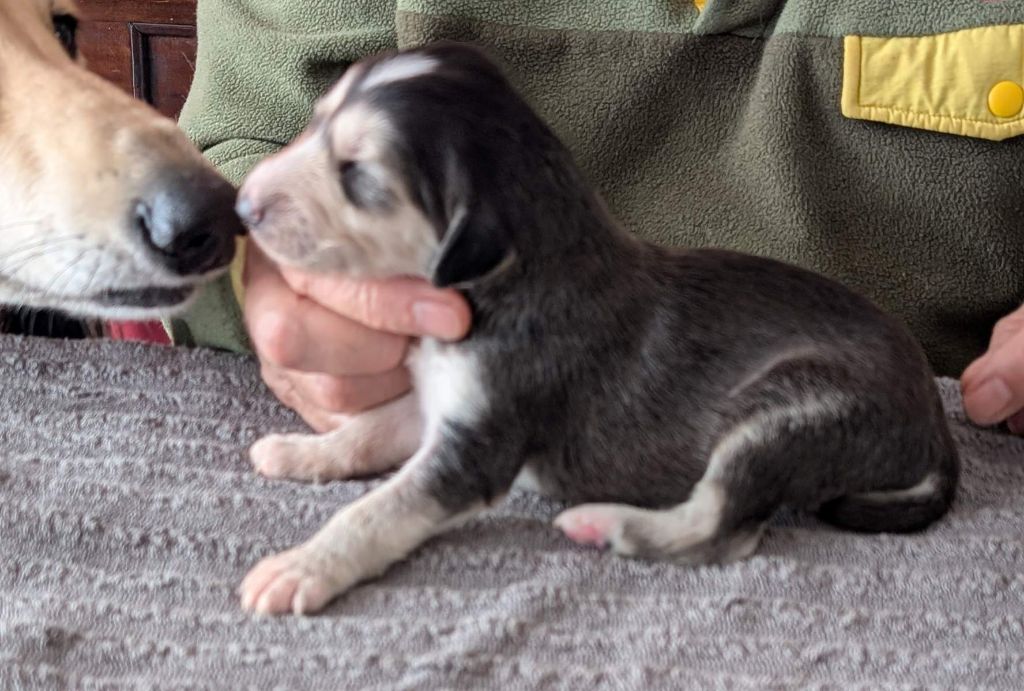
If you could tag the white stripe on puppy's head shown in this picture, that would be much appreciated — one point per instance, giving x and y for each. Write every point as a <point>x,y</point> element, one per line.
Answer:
<point>402,67</point>
<point>391,175</point>
<point>368,76</point>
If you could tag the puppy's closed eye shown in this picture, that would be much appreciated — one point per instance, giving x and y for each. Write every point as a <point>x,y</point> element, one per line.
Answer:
<point>364,187</point>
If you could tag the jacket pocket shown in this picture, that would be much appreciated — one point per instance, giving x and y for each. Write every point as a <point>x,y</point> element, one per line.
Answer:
<point>968,82</point>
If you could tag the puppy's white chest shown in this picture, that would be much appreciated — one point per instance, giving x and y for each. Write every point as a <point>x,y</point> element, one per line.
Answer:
<point>448,383</point>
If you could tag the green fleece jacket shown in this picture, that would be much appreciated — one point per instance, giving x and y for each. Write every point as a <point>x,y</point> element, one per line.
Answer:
<point>720,126</point>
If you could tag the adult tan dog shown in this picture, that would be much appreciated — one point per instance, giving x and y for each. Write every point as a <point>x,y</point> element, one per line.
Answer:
<point>105,207</point>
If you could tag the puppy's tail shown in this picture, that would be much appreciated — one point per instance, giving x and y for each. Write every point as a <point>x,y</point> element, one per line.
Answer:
<point>906,510</point>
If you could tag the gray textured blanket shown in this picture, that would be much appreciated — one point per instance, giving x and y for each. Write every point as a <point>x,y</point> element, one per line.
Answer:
<point>128,514</point>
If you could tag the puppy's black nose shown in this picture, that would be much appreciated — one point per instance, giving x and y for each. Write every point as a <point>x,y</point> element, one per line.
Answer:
<point>189,222</point>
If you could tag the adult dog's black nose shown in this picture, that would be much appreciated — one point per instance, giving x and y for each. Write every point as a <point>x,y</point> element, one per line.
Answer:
<point>189,221</point>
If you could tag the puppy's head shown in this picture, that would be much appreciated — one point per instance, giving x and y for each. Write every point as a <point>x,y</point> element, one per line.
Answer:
<point>415,163</point>
<point>105,206</point>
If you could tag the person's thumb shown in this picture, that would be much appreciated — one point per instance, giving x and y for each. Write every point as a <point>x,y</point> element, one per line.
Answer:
<point>993,385</point>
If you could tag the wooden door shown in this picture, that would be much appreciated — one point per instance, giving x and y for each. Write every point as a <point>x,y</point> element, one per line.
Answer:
<point>148,48</point>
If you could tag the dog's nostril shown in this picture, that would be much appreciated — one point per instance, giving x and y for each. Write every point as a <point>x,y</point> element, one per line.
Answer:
<point>195,243</point>
<point>177,243</point>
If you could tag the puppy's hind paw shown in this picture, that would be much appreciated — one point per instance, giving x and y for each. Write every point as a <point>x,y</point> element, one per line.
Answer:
<point>689,533</point>
<point>294,582</point>
<point>599,525</point>
<point>626,530</point>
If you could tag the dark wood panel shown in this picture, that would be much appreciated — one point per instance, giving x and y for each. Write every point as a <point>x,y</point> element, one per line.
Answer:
<point>107,49</point>
<point>163,62</point>
<point>155,11</point>
<point>146,48</point>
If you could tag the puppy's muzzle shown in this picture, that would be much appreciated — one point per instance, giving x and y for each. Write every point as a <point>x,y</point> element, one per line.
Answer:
<point>188,222</point>
<point>249,211</point>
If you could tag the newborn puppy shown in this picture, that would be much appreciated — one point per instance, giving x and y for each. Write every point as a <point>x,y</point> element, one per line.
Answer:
<point>675,398</point>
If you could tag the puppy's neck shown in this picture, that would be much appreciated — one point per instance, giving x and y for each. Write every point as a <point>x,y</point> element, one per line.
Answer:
<point>559,214</point>
<point>564,240</point>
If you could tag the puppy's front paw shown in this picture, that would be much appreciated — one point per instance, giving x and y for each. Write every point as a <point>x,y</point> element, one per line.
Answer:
<point>293,457</point>
<point>300,581</point>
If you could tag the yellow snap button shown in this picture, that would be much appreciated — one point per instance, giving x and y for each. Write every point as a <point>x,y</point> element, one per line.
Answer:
<point>1006,99</point>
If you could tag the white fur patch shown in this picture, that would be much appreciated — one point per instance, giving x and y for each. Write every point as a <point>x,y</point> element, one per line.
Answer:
<point>773,361</point>
<point>761,428</point>
<point>702,512</point>
<point>448,383</point>
<point>398,69</point>
<point>692,522</point>
<point>922,490</point>
<point>528,480</point>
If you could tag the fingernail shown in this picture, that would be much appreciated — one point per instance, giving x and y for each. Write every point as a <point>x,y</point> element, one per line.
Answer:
<point>987,403</point>
<point>438,320</point>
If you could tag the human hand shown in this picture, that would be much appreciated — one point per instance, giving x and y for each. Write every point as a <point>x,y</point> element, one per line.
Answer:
<point>993,385</point>
<point>331,345</point>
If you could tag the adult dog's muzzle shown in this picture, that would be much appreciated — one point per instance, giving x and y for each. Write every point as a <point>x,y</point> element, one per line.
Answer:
<point>188,221</point>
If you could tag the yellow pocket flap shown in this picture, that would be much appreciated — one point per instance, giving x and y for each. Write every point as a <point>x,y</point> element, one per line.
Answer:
<point>966,82</point>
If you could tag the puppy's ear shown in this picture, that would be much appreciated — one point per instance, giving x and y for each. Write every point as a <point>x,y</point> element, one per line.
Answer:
<point>473,246</point>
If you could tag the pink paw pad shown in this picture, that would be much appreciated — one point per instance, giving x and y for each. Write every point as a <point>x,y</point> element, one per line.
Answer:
<point>587,528</point>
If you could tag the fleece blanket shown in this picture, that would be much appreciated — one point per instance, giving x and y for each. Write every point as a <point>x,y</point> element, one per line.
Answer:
<point>707,123</point>
<point>129,512</point>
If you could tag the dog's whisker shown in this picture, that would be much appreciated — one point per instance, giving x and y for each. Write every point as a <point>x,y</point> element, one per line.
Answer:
<point>48,290</point>
<point>97,265</point>
<point>92,252</point>
<point>71,275</point>
<point>48,245</point>
<point>87,288</point>
<point>46,240</point>
<point>39,249</point>
<point>22,223</point>
<point>12,269</point>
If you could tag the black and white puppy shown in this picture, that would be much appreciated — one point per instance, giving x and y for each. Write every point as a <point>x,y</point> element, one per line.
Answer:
<point>676,398</point>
